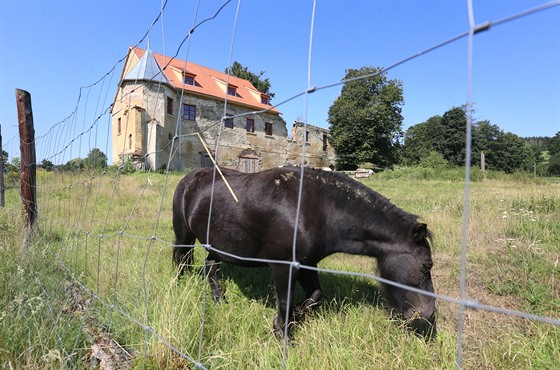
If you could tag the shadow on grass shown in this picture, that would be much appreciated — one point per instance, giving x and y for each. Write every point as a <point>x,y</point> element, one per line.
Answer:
<point>256,284</point>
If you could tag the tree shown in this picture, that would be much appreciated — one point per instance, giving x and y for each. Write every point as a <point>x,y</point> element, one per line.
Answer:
<point>541,142</point>
<point>443,134</point>
<point>453,136</point>
<point>365,120</point>
<point>510,153</point>
<point>554,144</point>
<point>74,164</point>
<point>554,151</point>
<point>554,164</point>
<point>261,84</point>
<point>14,165</point>
<point>421,140</point>
<point>96,159</point>
<point>47,165</point>
<point>485,135</point>
<point>505,152</point>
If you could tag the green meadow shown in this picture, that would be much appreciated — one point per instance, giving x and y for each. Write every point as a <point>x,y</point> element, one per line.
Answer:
<point>95,285</point>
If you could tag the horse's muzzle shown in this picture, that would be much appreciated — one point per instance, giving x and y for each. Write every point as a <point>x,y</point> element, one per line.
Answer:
<point>423,324</point>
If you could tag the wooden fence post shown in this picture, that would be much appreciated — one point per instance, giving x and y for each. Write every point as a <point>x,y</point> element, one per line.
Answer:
<point>28,161</point>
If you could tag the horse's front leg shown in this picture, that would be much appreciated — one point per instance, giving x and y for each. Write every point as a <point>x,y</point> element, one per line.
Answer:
<point>211,266</point>
<point>309,281</point>
<point>183,257</point>
<point>284,301</point>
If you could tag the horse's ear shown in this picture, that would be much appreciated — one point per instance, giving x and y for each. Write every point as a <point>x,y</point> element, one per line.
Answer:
<point>419,232</point>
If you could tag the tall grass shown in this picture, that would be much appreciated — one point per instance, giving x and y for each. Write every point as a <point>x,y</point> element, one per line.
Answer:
<point>100,272</point>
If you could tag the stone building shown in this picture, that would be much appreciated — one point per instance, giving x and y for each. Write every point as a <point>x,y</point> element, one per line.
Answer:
<point>171,112</point>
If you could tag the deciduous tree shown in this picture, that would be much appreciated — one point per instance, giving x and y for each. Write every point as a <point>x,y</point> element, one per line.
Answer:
<point>96,159</point>
<point>453,136</point>
<point>260,83</point>
<point>420,140</point>
<point>554,151</point>
<point>365,120</point>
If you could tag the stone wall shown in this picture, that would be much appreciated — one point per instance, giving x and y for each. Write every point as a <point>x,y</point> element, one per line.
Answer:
<point>318,151</point>
<point>155,136</point>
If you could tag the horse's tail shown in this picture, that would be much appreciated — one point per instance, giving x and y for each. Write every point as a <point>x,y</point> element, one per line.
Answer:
<point>183,249</point>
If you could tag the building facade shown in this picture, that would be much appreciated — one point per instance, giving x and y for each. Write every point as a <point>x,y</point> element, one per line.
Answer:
<point>170,113</point>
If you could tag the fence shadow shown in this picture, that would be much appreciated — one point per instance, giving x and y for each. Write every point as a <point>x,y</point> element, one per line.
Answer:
<point>256,284</point>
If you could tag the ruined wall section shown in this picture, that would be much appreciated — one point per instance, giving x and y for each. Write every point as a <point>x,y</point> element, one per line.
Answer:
<point>319,152</point>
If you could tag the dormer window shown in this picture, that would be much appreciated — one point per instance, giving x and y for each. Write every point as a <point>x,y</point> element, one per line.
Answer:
<point>188,78</point>
<point>232,90</point>
<point>265,99</point>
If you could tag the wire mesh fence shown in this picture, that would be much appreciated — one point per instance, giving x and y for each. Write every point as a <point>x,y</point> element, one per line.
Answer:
<point>110,232</point>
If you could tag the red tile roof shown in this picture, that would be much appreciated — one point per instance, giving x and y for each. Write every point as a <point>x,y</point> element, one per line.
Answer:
<point>208,82</point>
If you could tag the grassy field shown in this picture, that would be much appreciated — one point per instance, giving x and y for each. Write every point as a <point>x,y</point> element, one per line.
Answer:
<point>96,285</point>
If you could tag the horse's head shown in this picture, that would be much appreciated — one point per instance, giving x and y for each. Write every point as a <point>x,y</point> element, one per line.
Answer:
<point>410,264</point>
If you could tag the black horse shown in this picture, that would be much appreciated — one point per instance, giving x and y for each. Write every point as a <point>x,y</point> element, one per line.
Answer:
<point>338,214</point>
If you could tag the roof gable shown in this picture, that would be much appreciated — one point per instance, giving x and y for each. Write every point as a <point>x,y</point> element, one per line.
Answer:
<point>208,82</point>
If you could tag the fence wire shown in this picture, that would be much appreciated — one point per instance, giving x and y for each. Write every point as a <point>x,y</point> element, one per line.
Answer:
<point>73,202</point>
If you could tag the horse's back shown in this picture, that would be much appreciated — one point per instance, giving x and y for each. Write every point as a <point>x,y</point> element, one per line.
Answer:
<point>258,225</point>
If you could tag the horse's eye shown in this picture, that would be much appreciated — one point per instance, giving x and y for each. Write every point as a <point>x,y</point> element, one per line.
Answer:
<point>428,266</point>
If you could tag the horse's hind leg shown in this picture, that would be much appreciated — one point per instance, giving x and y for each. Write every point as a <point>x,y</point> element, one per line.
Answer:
<point>309,281</point>
<point>284,297</point>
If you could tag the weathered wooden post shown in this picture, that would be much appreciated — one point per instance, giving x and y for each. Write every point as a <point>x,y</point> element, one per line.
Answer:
<point>2,200</point>
<point>28,162</point>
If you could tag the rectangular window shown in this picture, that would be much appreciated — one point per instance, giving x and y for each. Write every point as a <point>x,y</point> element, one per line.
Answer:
<point>189,112</point>
<point>306,136</point>
<point>265,100</point>
<point>250,125</point>
<point>205,161</point>
<point>232,90</point>
<point>325,142</point>
<point>189,80</point>
<point>119,127</point>
<point>169,106</point>
<point>228,122</point>
<point>268,128</point>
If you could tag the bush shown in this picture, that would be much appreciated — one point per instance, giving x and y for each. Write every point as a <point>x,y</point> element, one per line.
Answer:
<point>11,179</point>
<point>434,160</point>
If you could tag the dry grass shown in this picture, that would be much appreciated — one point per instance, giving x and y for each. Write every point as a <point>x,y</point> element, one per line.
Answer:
<point>512,262</point>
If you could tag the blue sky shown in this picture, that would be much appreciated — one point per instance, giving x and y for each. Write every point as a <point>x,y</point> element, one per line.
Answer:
<point>53,48</point>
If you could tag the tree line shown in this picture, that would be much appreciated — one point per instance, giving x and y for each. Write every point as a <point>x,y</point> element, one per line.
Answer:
<point>95,160</point>
<point>365,124</point>
<point>366,130</point>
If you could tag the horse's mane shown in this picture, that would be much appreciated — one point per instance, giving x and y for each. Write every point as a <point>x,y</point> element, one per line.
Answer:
<point>359,190</point>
